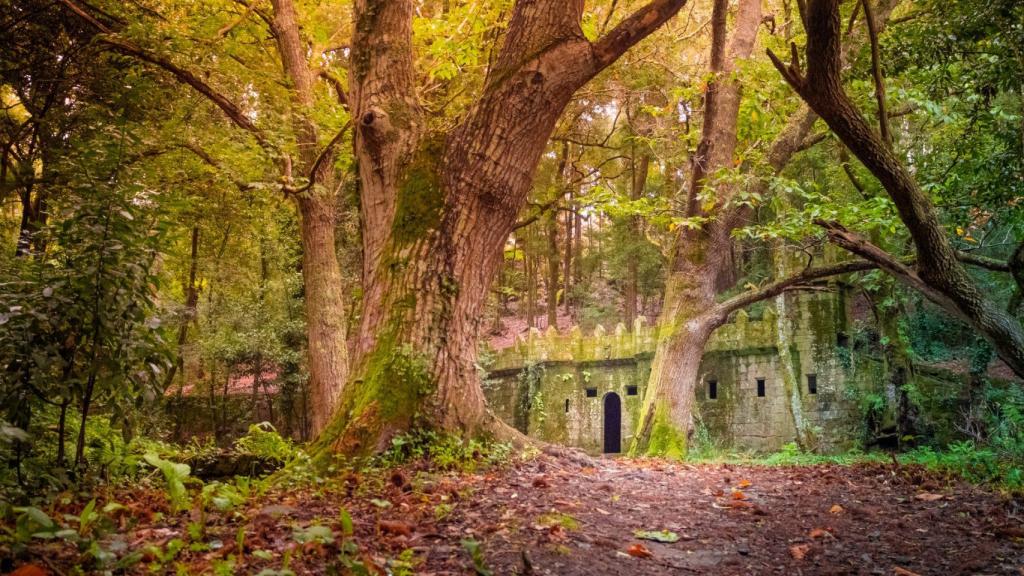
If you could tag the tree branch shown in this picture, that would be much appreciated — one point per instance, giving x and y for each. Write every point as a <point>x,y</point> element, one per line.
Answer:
<point>638,26</point>
<point>792,282</point>
<point>856,244</point>
<point>230,109</point>
<point>339,89</point>
<point>876,72</point>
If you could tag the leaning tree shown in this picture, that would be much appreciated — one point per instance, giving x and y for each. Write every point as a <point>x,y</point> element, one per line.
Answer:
<point>938,273</point>
<point>701,265</point>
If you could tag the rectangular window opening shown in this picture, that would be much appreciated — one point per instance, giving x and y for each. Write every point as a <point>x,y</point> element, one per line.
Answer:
<point>760,387</point>
<point>631,390</point>
<point>566,405</point>
<point>712,389</point>
<point>812,383</point>
<point>591,392</point>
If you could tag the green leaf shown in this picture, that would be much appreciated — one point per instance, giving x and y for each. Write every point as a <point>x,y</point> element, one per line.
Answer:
<point>666,536</point>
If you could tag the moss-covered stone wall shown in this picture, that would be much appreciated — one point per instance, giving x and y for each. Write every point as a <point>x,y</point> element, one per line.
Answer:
<point>541,384</point>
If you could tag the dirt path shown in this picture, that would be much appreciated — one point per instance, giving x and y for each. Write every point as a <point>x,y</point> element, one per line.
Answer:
<point>547,516</point>
<point>744,520</point>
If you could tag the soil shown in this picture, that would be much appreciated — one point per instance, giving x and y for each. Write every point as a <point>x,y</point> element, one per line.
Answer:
<point>547,515</point>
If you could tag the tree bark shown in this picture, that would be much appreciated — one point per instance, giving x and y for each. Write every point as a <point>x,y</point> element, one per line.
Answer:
<point>438,206</point>
<point>191,302</point>
<point>568,258</point>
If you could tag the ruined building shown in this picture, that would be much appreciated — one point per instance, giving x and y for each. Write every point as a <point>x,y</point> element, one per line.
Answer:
<point>787,375</point>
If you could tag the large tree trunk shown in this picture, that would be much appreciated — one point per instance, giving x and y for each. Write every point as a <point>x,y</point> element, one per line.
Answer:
<point>437,210</point>
<point>327,354</point>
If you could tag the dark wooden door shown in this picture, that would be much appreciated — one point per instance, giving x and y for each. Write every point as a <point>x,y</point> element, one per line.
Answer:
<point>612,423</point>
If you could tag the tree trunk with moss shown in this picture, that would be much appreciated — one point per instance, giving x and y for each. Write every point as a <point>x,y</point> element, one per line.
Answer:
<point>700,256</point>
<point>437,208</point>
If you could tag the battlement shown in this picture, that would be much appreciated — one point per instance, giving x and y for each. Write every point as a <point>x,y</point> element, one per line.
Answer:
<point>739,334</point>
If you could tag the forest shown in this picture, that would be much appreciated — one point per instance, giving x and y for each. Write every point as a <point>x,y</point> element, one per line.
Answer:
<point>511,287</point>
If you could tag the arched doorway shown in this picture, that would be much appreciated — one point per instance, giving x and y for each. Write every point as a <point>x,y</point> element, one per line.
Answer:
<point>612,423</point>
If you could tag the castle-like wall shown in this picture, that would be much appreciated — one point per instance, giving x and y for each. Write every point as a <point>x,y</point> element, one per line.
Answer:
<point>541,384</point>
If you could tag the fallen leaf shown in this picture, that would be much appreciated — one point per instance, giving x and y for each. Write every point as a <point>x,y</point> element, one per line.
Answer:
<point>29,570</point>
<point>836,509</point>
<point>903,572</point>
<point>639,551</point>
<point>541,482</point>
<point>743,484</point>
<point>396,527</point>
<point>929,497</point>
<point>821,533</point>
<point>718,493</point>
<point>738,495</point>
<point>666,536</point>
<point>798,551</point>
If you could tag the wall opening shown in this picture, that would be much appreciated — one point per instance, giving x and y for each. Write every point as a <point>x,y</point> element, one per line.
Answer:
<point>631,390</point>
<point>612,423</point>
<point>712,389</point>
<point>760,387</point>
<point>812,383</point>
<point>566,405</point>
<point>591,392</point>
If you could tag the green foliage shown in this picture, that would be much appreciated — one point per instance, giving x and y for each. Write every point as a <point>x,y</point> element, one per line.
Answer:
<point>444,451</point>
<point>476,554</point>
<point>264,442</point>
<point>175,475</point>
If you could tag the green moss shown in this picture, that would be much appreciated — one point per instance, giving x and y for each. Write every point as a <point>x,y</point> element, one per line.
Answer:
<point>388,397</point>
<point>420,199</point>
<point>667,440</point>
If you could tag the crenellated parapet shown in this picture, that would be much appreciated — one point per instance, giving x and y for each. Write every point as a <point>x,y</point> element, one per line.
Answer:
<point>741,333</point>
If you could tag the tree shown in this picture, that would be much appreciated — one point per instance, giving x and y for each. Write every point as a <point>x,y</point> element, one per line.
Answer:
<point>718,203</point>
<point>306,171</point>
<point>938,273</point>
<point>438,204</point>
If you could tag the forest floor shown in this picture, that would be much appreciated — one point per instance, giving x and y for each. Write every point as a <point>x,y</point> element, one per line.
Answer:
<point>546,515</point>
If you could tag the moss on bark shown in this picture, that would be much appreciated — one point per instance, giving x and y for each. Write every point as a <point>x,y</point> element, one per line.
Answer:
<point>666,439</point>
<point>385,399</point>
<point>420,200</point>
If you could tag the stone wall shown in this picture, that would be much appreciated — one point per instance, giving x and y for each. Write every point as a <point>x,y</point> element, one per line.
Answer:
<point>552,386</point>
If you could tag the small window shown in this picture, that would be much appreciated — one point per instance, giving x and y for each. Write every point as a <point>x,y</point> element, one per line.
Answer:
<point>566,405</point>
<point>842,340</point>
<point>760,387</point>
<point>812,383</point>
<point>591,392</point>
<point>712,389</point>
<point>631,390</point>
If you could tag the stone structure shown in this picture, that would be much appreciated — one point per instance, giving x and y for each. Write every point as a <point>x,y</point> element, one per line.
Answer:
<point>785,376</point>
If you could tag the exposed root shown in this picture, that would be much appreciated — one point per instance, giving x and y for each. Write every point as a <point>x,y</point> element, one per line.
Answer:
<point>502,432</point>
